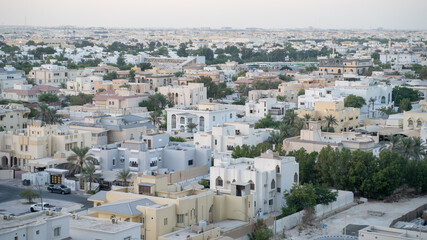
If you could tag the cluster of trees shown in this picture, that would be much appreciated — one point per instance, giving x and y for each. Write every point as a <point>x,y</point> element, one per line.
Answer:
<point>80,99</point>
<point>48,115</point>
<point>84,43</point>
<point>121,47</point>
<point>420,70</point>
<point>265,85</point>
<point>214,90</point>
<point>290,125</point>
<point>250,151</point>
<point>84,63</point>
<point>40,51</point>
<point>48,98</point>
<point>156,102</point>
<point>354,101</point>
<point>400,93</point>
<point>176,139</point>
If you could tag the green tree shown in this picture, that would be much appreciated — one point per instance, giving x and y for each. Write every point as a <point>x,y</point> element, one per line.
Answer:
<point>354,101</point>
<point>89,174</point>
<point>81,158</point>
<point>324,195</point>
<point>156,102</point>
<point>400,93</point>
<point>191,126</point>
<point>123,175</point>
<point>214,90</point>
<point>177,139</point>
<point>281,98</point>
<point>331,121</point>
<point>48,98</point>
<point>81,99</point>
<point>267,122</point>
<point>29,195</point>
<point>48,116</point>
<point>405,105</point>
<point>261,231</point>
<point>132,76</point>
<point>301,92</point>
<point>155,117</point>
<point>182,51</point>
<point>300,197</point>
<point>307,165</point>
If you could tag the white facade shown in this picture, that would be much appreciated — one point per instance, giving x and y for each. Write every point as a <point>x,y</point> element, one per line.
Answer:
<point>53,75</point>
<point>224,138</point>
<point>262,107</point>
<point>192,94</point>
<point>399,58</point>
<point>32,226</point>
<point>269,177</point>
<point>204,115</point>
<point>313,95</point>
<point>81,85</point>
<point>9,76</point>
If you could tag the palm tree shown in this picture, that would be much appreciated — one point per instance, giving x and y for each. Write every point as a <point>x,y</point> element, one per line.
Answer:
<point>191,126</point>
<point>276,137</point>
<point>393,145</point>
<point>89,174</point>
<point>48,116</point>
<point>123,175</point>
<point>418,148</point>
<point>330,121</point>
<point>372,103</point>
<point>290,117</point>
<point>80,158</point>
<point>307,117</point>
<point>155,117</point>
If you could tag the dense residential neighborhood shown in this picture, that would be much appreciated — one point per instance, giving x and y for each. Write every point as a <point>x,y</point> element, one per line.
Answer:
<point>217,133</point>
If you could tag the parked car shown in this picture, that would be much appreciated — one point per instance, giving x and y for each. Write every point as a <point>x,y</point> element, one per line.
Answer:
<point>59,188</point>
<point>45,206</point>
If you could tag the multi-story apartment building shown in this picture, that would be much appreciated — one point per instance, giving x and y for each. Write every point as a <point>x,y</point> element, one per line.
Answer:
<point>169,212</point>
<point>154,80</point>
<point>314,95</point>
<point>339,66</point>
<point>19,147</point>
<point>108,129</point>
<point>225,137</point>
<point>264,106</point>
<point>347,118</point>
<point>82,85</point>
<point>153,154</point>
<point>415,119</point>
<point>267,177</point>
<point>116,84</point>
<point>204,115</point>
<point>191,94</point>
<point>312,139</point>
<point>9,76</point>
<point>103,69</point>
<point>28,93</point>
<point>403,58</point>
<point>13,116</point>
<point>52,75</point>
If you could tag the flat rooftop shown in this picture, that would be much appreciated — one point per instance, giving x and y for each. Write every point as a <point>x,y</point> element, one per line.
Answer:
<point>102,225</point>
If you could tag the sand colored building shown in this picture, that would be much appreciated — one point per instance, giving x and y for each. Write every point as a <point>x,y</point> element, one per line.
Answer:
<point>116,84</point>
<point>415,119</point>
<point>347,118</point>
<point>164,208</point>
<point>191,94</point>
<point>52,75</point>
<point>122,98</point>
<point>13,116</point>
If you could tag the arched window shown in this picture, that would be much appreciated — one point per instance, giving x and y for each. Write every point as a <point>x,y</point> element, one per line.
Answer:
<point>295,177</point>
<point>176,95</point>
<point>251,185</point>
<point>231,115</point>
<point>131,136</point>
<point>202,124</point>
<point>182,120</point>
<point>273,184</point>
<point>277,169</point>
<point>410,123</point>
<point>219,182</point>
<point>382,99</point>
<point>339,70</point>
<point>419,123</point>
<point>173,121</point>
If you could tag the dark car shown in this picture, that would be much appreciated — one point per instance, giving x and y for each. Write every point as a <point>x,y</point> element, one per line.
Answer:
<point>59,188</point>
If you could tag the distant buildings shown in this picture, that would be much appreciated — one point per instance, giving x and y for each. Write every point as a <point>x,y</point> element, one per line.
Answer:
<point>53,75</point>
<point>81,85</point>
<point>122,98</point>
<point>189,95</point>
<point>399,58</point>
<point>154,80</point>
<point>267,177</point>
<point>114,85</point>
<point>264,106</point>
<point>312,139</point>
<point>9,76</point>
<point>339,66</point>
<point>224,138</point>
<point>204,115</point>
<point>415,119</point>
<point>13,116</point>
<point>28,92</point>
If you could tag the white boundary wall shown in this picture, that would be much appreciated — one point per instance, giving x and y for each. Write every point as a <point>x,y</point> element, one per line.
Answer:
<point>344,199</point>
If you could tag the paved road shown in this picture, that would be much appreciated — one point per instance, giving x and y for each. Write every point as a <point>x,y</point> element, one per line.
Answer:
<point>9,193</point>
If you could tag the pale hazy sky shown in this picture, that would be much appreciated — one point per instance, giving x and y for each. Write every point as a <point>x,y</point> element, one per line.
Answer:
<point>367,14</point>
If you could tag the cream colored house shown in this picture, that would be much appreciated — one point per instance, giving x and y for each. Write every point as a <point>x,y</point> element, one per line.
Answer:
<point>52,75</point>
<point>164,208</point>
<point>116,84</point>
<point>415,119</point>
<point>28,92</point>
<point>19,147</point>
<point>13,116</point>
<point>122,98</point>
<point>347,118</point>
<point>312,139</point>
<point>192,94</point>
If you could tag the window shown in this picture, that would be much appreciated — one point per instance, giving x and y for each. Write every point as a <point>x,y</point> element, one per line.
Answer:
<point>279,189</point>
<point>419,123</point>
<point>251,185</point>
<point>173,121</point>
<point>180,218</point>
<point>295,177</point>
<point>216,142</point>
<point>57,231</point>
<point>127,238</point>
<point>37,232</point>
<point>219,181</point>
<point>11,116</point>
<point>273,184</point>
<point>270,202</point>
<point>410,123</point>
<point>165,221</point>
<point>213,118</point>
<point>202,124</point>
<point>190,162</point>
<point>231,115</point>
<point>114,162</point>
<point>182,120</point>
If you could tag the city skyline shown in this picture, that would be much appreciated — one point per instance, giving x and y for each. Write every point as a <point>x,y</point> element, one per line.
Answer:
<point>272,14</point>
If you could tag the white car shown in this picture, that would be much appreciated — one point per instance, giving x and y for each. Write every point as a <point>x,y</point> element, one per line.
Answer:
<point>38,207</point>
